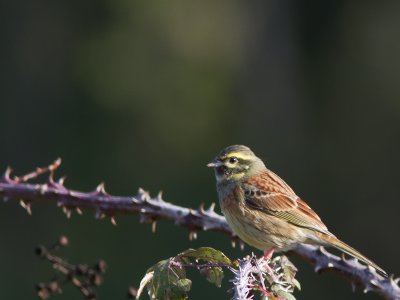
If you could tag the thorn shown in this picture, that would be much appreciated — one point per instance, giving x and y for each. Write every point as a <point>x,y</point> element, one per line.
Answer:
<point>100,189</point>
<point>67,212</point>
<point>353,287</point>
<point>241,245</point>
<point>153,226</point>
<point>60,203</point>
<point>143,211</point>
<point>51,178</point>
<point>99,214</point>
<point>371,269</point>
<point>55,164</point>
<point>323,250</point>
<point>366,290</point>
<point>233,243</point>
<point>26,205</point>
<point>212,207</point>
<point>6,175</point>
<point>113,221</point>
<point>354,260</point>
<point>76,282</point>
<point>373,282</point>
<point>78,210</point>
<point>330,265</point>
<point>143,195</point>
<point>56,184</point>
<point>201,208</point>
<point>61,180</point>
<point>8,171</point>
<point>192,235</point>
<point>159,196</point>
<point>317,268</point>
<point>42,188</point>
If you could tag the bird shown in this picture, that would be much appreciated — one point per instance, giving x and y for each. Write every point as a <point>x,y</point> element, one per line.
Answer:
<point>264,211</point>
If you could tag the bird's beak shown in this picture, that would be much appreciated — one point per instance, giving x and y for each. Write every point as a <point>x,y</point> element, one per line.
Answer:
<point>215,163</point>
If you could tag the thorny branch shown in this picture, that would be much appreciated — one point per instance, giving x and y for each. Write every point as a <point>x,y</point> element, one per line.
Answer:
<point>152,209</point>
<point>84,277</point>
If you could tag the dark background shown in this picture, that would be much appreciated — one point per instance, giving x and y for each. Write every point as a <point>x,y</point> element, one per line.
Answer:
<point>144,94</point>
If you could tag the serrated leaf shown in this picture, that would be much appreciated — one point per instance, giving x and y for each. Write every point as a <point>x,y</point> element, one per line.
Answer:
<point>213,275</point>
<point>207,254</point>
<point>166,280</point>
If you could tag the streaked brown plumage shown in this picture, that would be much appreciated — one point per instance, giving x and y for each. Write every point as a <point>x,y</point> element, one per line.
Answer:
<point>264,211</point>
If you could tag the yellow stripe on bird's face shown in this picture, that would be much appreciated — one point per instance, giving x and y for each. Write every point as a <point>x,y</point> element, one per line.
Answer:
<point>238,155</point>
<point>237,176</point>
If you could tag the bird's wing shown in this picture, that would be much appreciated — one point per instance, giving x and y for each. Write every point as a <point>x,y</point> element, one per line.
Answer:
<point>270,194</point>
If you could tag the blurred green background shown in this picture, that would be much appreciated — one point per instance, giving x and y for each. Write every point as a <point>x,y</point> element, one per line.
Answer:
<point>145,93</point>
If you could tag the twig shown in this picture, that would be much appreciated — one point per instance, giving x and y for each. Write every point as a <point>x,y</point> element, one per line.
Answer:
<point>358,274</point>
<point>39,171</point>
<point>152,209</point>
<point>82,276</point>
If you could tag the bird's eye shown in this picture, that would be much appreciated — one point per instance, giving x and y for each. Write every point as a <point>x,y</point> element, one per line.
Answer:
<point>233,160</point>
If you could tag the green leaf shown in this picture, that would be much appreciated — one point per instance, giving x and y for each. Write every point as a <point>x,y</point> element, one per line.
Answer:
<point>289,270</point>
<point>288,267</point>
<point>207,254</point>
<point>166,280</point>
<point>285,295</point>
<point>276,288</point>
<point>213,275</point>
<point>296,283</point>
<point>177,290</point>
<point>184,284</point>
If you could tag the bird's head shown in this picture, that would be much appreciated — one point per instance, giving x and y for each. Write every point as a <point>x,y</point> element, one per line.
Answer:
<point>235,163</point>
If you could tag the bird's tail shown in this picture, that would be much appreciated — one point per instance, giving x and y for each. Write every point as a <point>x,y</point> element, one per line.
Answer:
<point>338,244</point>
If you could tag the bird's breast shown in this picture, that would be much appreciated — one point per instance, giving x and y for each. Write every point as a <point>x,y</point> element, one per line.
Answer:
<point>254,227</point>
<point>239,220</point>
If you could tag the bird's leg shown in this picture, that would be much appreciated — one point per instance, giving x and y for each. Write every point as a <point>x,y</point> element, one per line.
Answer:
<point>267,258</point>
<point>268,253</point>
